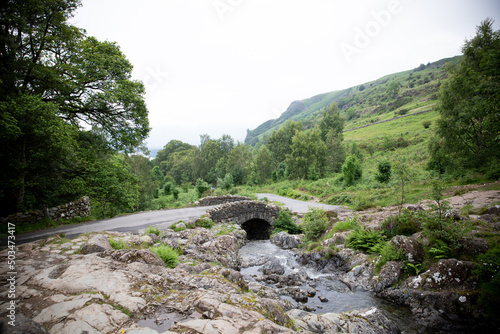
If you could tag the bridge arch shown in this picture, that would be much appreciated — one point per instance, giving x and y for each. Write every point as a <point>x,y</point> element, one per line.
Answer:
<point>255,217</point>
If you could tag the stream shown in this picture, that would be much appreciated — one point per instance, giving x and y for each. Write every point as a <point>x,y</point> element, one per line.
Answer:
<point>339,296</point>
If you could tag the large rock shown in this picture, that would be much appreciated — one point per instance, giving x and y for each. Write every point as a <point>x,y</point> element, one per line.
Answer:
<point>287,241</point>
<point>390,274</point>
<point>413,250</point>
<point>135,255</point>
<point>273,267</point>
<point>449,274</point>
<point>98,243</point>
<point>371,321</point>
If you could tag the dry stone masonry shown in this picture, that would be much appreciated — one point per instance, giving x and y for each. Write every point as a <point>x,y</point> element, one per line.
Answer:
<point>80,208</point>
<point>255,217</point>
<point>217,200</point>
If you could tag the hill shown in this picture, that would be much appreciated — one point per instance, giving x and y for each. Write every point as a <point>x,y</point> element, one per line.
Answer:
<point>368,103</point>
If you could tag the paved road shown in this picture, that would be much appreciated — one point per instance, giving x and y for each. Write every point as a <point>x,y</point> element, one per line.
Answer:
<point>296,205</point>
<point>129,223</point>
<point>161,219</point>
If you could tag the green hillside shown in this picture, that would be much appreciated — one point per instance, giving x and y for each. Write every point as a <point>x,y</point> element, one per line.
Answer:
<point>368,103</point>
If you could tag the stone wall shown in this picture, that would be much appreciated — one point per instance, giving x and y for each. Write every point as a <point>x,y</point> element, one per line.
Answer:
<point>242,211</point>
<point>216,200</point>
<point>80,208</point>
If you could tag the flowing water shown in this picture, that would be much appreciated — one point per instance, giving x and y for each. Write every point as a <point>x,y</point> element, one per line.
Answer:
<point>340,296</point>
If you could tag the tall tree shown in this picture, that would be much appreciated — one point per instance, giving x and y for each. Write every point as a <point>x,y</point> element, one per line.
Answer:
<point>308,151</point>
<point>53,78</point>
<point>331,123</point>
<point>280,141</point>
<point>469,103</point>
<point>263,165</point>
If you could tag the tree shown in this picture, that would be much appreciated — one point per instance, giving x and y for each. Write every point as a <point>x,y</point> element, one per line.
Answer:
<point>331,122</point>
<point>263,165</point>
<point>404,174</point>
<point>351,170</point>
<point>469,103</point>
<point>335,152</point>
<point>384,172</point>
<point>393,88</point>
<point>239,162</point>
<point>308,151</point>
<point>280,141</point>
<point>90,81</point>
<point>53,80</point>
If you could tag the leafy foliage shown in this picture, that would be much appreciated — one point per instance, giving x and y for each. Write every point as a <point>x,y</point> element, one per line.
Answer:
<point>389,253</point>
<point>384,172</point>
<point>407,224</point>
<point>167,254</point>
<point>315,223</point>
<point>469,103</point>
<point>367,241</point>
<point>285,223</point>
<point>351,170</point>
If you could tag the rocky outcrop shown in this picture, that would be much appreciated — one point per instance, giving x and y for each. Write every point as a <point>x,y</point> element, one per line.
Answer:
<point>98,243</point>
<point>412,249</point>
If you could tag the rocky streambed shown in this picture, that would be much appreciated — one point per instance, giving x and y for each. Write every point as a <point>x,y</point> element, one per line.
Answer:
<point>225,284</point>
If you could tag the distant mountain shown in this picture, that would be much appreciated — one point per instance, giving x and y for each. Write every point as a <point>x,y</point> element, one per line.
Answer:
<point>367,103</point>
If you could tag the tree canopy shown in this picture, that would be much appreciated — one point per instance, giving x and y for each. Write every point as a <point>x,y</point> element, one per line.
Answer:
<point>469,103</point>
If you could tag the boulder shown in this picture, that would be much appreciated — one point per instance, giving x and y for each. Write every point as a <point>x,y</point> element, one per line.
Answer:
<point>449,274</point>
<point>135,255</point>
<point>286,241</point>
<point>413,250</point>
<point>98,243</point>
<point>389,274</point>
<point>273,267</point>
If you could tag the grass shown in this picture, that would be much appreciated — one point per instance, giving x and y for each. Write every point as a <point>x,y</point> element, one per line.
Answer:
<point>153,230</point>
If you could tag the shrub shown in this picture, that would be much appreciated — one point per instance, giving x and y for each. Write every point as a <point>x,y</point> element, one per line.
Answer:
<point>488,274</point>
<point>316,223</point>
<point>167,188</point>
<point>117,244</point>
<point>389,253</point>
<point>445,235</point>
<point>167,254</point>
<point>426,124</point>
<point>407,224</point>
<point>365,240</point>
<point>347,225</point>
<point>285,223</point>
<point>201,187</point>
<point>226,183</point>
<point>384,172</point>
<point>153,230</point>
<point>175,193</point>
<point>205,223</point>
<point>351,170</point>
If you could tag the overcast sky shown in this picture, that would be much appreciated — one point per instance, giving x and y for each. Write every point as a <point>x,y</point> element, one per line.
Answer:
<point>223,66</point>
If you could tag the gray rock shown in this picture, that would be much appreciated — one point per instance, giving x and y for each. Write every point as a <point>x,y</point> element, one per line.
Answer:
<point>98,243</point>
<point>135,255</point>
<point>23,325</point>
<point>286,241</point>
<point>389,274</point>
<point>273,267</point>
<point>413,250</point>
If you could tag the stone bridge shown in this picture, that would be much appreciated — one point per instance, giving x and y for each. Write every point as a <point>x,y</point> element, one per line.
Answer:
<point>255,217</point>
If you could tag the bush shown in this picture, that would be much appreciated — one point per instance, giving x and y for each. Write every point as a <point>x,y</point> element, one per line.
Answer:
<point>167,254</point>
<point>117,244</point>
<point>389,253</point>
<point>227,183</point>
<point>285,223</point>
<point>351,170</point>
<point>445,235</point>
<point>407,224</point>
<point>205,223</point>
<point>315,223</point>
<point>426,124</point>
<point>488,274</point>
<point>153,230</point>
<point>347,225</point>
<point>167,188</point>
<point>201,187</point>
<point>384,172</point>
<point>367,241</point>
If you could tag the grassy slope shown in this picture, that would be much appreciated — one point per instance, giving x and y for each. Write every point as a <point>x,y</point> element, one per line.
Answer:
<point>364,106</point>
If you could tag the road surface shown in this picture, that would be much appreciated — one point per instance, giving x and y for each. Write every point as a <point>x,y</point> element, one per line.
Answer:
<point>161,219</point>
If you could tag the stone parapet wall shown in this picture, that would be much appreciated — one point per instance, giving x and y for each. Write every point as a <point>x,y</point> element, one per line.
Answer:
<point>242,211</point>
<point>80,208</point>
<point>216,200</point>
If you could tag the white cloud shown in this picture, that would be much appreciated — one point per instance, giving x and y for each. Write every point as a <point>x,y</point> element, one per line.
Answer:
<point>225,75</point>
